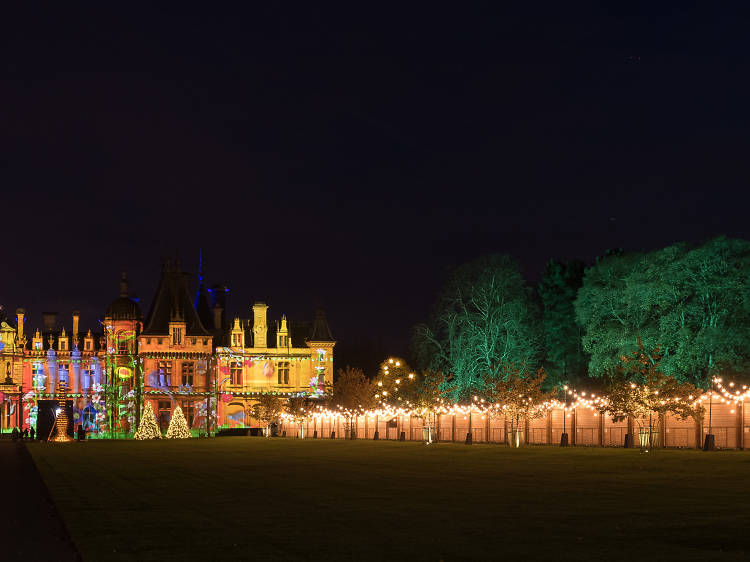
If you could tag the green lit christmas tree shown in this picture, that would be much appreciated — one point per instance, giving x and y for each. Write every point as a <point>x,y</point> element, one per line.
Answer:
<point>148,428</point>
<point>178,427</point>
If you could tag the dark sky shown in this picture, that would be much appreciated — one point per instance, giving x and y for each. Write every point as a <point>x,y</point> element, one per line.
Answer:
<point>352,158</point>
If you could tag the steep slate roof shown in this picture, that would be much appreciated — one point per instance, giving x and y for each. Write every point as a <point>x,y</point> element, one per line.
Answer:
<point>173,297</point>
<point>320,330</point>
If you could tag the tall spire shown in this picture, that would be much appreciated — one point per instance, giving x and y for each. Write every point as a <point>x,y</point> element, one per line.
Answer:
<point>124,284</point>
<point>201,270</point>
<point>202,306</point>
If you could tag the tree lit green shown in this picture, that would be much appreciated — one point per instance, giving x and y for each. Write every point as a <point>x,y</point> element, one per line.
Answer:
<point>565,361</point>
<point>691,303</point>
<point>485,325</point>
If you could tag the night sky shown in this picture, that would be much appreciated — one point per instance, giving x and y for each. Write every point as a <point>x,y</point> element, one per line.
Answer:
<point>351,158</point>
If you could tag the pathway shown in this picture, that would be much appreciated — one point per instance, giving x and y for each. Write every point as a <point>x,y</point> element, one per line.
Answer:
<point>32,528</point>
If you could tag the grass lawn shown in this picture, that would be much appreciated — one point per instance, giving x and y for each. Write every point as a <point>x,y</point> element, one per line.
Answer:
<point>284,499</point>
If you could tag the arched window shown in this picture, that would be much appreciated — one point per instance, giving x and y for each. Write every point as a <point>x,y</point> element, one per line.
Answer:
<point>235,414</point>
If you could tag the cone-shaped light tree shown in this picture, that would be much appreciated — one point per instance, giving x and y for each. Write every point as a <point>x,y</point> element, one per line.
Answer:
<point>178,427</point>
<point>147,428</point>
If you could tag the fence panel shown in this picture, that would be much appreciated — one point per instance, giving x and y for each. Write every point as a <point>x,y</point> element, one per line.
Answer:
<point>538,435</point>
<point>587,435</point>
<point>498,434</point>
<point>615,436</point>
<point>446,434</point>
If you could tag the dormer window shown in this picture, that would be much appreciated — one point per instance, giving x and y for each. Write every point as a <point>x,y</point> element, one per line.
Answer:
<point>237,335</point>
<point>176,335</point>
<point>87,345</point>
<point>63,345</point>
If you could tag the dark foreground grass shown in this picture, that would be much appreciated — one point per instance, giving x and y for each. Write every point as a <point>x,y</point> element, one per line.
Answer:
<point>284,499</point>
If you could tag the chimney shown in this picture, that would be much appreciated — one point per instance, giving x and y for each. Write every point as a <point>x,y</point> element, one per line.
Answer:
<point>50,321</point>
<point>76,316</point>
<point>20,313</point>
<point>218,311</point>
<point>260,328</point>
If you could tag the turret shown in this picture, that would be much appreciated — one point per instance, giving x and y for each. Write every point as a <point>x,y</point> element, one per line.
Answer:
<point>62,341</point>
<point>282,334</point>
<point>237,334</point>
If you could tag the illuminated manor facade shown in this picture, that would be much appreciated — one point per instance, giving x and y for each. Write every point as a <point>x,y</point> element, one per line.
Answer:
<point>287,360</point>
<point>182,353</point>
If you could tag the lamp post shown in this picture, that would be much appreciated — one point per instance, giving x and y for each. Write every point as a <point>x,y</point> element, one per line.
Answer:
<point>564,435</point>
<point>709,443</point>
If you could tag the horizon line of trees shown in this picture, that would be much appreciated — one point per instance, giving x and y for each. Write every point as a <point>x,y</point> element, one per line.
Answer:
<point>686,308</point>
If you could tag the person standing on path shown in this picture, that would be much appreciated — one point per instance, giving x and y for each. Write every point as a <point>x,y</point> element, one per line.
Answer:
<point>14,434</point>
<point>25,434</point>
<point>31,433</point>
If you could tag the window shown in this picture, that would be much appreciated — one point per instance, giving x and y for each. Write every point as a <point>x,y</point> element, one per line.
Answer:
<point>235,372</point>
<point>192,341</point>
<point>165,373</point>
<point>63,345</point>
<point>37,372</point>
<point>159,340</point>
<point>37,345</point>
<point>188,368</point>
<point>205,342</point>
<point>283,341</point>
<point>165,413</point>
<point>283,371</point>
<point>176,336</point>
<point>189,411</point>
<point>87,345</point>
<point>148,341</point>
<point>123,346</point>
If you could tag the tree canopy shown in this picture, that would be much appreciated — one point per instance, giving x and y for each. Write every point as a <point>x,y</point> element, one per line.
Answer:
<point>564,361</point>
<point>485,324</point>
<point>693,304</point>
<point>396,385</point>
<point>352,390</point>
